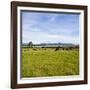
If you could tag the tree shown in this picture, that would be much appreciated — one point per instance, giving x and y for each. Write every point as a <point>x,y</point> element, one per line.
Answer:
<point>30,44</point>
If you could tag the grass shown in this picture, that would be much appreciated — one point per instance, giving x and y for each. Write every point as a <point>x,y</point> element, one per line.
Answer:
<point>48,62</point>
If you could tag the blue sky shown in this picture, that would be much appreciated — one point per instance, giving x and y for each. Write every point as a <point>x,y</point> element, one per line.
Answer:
<point>50,27</point>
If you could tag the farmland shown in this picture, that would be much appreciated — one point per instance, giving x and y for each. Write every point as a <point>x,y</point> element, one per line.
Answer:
<point>38,62</point>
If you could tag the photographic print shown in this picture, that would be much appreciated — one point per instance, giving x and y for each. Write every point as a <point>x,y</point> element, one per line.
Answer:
<point>49,44</point>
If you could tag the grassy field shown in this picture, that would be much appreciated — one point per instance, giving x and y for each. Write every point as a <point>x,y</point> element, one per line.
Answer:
<point>48,62</point>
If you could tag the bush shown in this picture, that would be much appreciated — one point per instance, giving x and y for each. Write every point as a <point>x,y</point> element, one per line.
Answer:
<point>57,48</point>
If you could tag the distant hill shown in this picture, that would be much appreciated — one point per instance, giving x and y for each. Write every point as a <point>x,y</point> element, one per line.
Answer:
<point>51,45</point>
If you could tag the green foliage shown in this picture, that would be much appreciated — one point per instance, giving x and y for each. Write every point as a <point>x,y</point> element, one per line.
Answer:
<point>45,62</point>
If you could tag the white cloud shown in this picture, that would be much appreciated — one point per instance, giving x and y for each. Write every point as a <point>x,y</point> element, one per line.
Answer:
<point>46,27</point>
<point>40,37</point>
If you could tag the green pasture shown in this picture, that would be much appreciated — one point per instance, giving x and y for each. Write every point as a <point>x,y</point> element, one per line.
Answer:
<point>44,62</point>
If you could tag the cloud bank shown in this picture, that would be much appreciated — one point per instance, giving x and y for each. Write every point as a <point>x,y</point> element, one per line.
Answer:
<point>50,28</point>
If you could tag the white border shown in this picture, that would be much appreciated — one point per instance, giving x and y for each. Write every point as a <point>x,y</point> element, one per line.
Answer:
<point>54,78</point>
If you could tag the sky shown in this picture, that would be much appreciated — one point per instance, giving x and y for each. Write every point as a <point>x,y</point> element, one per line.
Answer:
<point>41,27</point>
